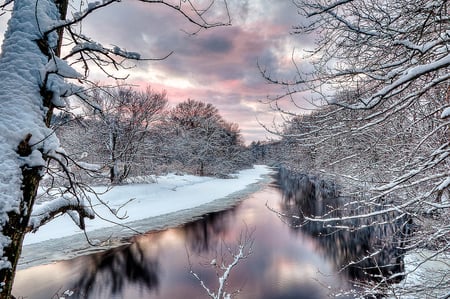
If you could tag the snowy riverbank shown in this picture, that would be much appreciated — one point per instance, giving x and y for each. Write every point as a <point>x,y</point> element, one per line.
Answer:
<point>171,201</point>
<point>427,276</point>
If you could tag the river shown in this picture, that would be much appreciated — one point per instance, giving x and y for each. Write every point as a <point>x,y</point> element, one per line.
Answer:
<point>281,260</point>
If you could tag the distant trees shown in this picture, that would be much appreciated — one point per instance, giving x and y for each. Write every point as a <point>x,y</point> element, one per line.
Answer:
<point>134,133</point>
<point>378,75</point>
<point>205,142</point>
<point>122,124</point>
<point>192,114</point>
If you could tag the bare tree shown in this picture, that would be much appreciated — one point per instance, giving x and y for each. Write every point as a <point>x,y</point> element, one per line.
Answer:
<point>125,116</point>
<point>224,263</point>
<point>387,60</point>
<point>380,83</point>
<point>34,80</point>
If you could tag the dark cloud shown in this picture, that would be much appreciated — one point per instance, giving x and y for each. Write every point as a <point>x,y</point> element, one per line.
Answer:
<point>216,44</point>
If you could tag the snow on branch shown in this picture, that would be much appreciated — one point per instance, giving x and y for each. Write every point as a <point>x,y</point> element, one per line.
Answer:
<point>407,77</point>
<point>51,209</point>
<point>4,4</point>
<point>79,16</point>
<point>445,113</point>
<point>62,68</point>
<point>223,268</point>
<point>92,46</point>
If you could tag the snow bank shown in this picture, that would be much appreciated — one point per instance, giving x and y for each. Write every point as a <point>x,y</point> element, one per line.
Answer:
<point>428,276</point>
<point>171,201</point>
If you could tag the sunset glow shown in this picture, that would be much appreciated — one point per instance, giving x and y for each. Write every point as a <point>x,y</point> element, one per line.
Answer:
<point>217,65</point>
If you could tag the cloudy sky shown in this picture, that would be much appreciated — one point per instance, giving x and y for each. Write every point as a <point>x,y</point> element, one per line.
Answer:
<point>217,65</point>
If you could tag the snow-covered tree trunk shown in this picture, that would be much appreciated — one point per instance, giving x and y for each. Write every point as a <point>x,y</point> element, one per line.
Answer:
<point>26,107</point>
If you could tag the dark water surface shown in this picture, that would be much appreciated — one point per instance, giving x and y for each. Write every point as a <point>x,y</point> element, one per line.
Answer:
<point>284,263</point>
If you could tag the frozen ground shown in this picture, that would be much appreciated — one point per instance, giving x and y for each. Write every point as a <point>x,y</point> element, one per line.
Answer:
<point>171,201</point>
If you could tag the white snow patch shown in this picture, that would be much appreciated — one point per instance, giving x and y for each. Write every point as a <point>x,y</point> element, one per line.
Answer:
<point>428,276</point>
<point>62,68</point>
<point>444,184</point>
<point>445,113</point>
<point>90,166</point>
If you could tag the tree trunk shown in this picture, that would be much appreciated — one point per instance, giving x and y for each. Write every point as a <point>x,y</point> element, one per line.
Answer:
<point>15,225</point>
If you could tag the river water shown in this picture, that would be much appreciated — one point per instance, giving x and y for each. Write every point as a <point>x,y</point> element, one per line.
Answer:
<point>282,260</point>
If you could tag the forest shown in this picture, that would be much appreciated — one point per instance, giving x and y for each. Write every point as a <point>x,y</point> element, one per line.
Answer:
<point>365,104</point>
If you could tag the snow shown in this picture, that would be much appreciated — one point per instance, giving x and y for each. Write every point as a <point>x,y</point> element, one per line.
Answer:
<point>62,68</point>
<point>444,184</point>
<point>94,46</point>
<point>445,113</point>
<point>34,159</point>
<point>44,211</point>
<point>89,166</point>
<point>427,269</point>
<point>134,202</point>
<point>123,53</point>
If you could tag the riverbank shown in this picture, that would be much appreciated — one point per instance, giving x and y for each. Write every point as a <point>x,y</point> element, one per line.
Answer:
<point>171,201</point>
<point>427,276</point>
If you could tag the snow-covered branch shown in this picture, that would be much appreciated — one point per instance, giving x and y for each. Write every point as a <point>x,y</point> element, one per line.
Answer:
<point>49,210</point>
<point>224,269</point>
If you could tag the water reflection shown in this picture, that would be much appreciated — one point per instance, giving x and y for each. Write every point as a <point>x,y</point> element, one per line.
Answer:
<point>107,274</point>
<point>206,233</point>
<point>369,248</point>
<point>156,265</point>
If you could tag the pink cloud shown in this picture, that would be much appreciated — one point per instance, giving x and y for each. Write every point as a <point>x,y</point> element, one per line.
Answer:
<point>217,65</point>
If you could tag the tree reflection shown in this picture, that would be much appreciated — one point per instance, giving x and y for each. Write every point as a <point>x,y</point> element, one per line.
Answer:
<point>206,233</point>
<point>109,272</point>
<point>366,248</point>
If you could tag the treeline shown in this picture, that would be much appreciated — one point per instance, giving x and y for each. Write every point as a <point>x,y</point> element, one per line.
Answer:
<point>362,152</point>
<point>128,133</point>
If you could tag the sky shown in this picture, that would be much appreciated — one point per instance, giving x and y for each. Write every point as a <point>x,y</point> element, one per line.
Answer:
<point>218,65</point>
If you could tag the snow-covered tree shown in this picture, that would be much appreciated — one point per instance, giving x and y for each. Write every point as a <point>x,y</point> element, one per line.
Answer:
<point>34,80</point>
<point>379,74</point>
<point>387,60</point>
<point>125,117</point>
<point>205,141</point>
